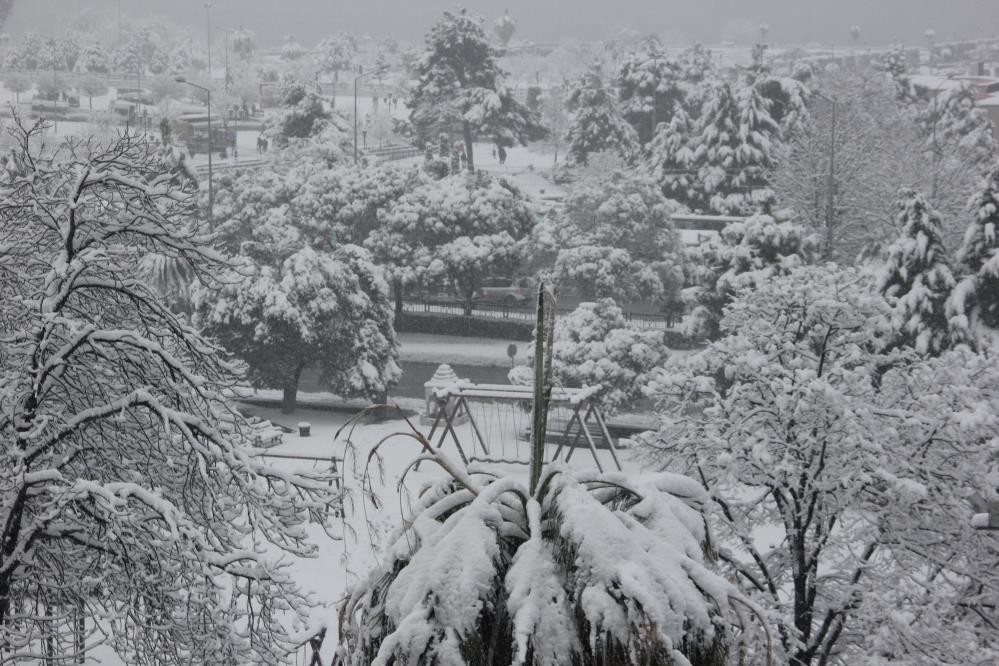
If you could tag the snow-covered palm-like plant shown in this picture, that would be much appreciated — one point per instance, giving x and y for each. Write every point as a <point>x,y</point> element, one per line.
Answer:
<point>562,567</point>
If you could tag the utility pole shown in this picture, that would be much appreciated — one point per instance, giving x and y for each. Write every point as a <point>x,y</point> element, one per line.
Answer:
<point>831,186</point>
<point>380,70</point>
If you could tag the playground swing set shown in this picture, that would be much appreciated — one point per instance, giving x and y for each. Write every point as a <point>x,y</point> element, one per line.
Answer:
<point>574,416</point>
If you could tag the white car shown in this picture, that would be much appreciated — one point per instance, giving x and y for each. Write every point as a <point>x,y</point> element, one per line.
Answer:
<point>505,290</point>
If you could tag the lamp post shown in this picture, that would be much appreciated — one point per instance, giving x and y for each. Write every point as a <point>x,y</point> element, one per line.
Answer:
<point>211,184</point>
<point>227,31</point>
<point>357,78</point>
<point>832,173</point>
<point>208,37</point>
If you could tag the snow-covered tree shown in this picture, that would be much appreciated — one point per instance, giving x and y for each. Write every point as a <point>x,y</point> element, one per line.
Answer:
<point>243,42</point>
<point>975,300</point>
<point>305,131</point>
<point>568,568</point>
<point>91,86</point>
<point>595,345</point>
<point>455,231</point>
<point>462,86</point>
<point>917,278</point>
<point>597,124</point>
<point>735,148</point>
<point>651,89</point>
<point>305,296</point>
<point>329,310</point>
<point>746,253</point>
<point>17,84</point>
<point>336,53</point>
<point>505,27</point>
<point>291,50</point>
<point>879,148</point>
<point>614,239</point>
<point>838,479</point>
<point>130,495</point>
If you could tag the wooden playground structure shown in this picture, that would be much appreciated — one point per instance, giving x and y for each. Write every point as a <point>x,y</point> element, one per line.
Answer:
<point>574,417</point>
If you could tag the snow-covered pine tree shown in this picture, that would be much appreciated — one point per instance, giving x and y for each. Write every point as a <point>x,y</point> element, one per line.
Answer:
<point>130,495</point>
<point>461,87</point>
<point>917,278</point>
<point>504,27</point>
<point>597,124</point>
<point>650,90</point>
<point>976,298</point>
<point>670,160</point>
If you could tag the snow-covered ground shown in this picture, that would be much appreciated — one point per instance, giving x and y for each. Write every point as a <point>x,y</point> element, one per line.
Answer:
<point>455,350</point>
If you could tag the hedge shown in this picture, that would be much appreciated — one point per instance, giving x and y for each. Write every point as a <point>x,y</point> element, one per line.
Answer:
<point>470,327</point>
<point>495,327</point>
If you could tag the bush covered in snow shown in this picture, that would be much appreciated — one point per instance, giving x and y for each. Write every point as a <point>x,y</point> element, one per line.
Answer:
<point>596,345</point>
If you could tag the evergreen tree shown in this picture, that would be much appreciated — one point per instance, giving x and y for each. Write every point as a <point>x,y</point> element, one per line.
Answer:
<point>597,125</point>
<point>651,90</point>
<point>505,27</point>
<point>461,85</point>
<point>976,298</point>
<point>917,279</point>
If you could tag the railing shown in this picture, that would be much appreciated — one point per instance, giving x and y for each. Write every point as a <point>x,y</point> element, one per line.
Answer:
<point>393,153</point>
<point>523,312</point>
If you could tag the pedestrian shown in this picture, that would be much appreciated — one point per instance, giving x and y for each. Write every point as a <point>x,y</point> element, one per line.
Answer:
<point>502,155</point>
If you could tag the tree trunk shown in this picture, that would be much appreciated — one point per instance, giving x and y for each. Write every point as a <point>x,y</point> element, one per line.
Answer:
<point>466,130</point>
<point>290,396</point>
<point>12,532</point>
<point>397,290</point>
<point>469,302</point>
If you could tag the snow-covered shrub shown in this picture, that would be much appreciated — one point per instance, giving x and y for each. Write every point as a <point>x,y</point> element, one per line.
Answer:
<point>594,345</point>
<point>839,466</point>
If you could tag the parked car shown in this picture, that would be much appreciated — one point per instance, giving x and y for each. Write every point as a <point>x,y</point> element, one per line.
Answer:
<point>504,289</point>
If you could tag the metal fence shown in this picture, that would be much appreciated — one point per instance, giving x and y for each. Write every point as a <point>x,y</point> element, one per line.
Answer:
<point>524,312</point>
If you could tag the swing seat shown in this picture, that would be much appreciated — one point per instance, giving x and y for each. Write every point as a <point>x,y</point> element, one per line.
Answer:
<point>556,434</point>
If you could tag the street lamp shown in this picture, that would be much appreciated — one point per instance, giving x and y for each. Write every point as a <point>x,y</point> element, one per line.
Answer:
<point>211,184</point>
<point>380,70</point>
<point>832,172</point>
<point>208,33</point>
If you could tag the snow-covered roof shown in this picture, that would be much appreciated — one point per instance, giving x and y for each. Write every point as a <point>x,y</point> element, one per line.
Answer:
<point>931,82</point>
<point>992,100</point>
